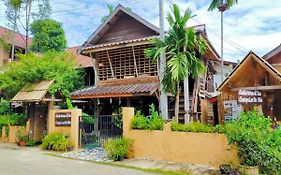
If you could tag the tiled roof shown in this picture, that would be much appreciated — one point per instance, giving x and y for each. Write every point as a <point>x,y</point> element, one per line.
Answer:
<point>82,60</point>
<point>119,43</point>
<point>6,35</point>
<point>116,91</point>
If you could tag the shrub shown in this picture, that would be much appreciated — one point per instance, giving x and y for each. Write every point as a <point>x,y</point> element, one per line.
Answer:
<point>152,122</point>
<point>12,119</point>
<point>196,127</point>
<point>118,148</point>
<point>56,142</point>
<point>30,142</point>
<point>256,142</point>
<point>21,135</point>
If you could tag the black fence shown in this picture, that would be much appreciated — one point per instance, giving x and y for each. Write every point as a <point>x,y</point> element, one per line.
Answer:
<point>100,128</point>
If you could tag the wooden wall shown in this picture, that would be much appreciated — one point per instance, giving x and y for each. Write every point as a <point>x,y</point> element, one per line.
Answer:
<point>125,28</point>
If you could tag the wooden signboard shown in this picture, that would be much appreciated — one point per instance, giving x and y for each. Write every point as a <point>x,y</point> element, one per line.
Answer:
<point>63,119</point>
<point>250,97</point>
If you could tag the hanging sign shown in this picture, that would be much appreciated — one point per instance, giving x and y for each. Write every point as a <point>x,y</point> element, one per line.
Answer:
<point>250,97</point>
<point>63,119</point>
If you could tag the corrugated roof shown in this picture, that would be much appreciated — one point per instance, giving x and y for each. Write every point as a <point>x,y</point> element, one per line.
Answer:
<point>33,93</point>
<point>121,42</point>
<point>81,60</point>
<point>116,91</point>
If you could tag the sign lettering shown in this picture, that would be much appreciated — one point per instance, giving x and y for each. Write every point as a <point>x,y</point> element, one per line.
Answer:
<point>250,96</point>
<point>63,119</point>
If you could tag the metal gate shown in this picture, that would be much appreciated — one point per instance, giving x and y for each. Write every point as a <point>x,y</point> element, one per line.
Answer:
<point>102,128</point>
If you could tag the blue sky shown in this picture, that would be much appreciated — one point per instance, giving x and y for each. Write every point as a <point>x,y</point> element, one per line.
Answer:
<point>249,25</point>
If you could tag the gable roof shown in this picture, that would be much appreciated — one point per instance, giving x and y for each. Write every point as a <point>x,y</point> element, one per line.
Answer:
<point>273,52</point>
<point>110,20</point>
<point>6,35</point>
<point>260,61</point>
<point>34,93</point>
<point>81,60</point>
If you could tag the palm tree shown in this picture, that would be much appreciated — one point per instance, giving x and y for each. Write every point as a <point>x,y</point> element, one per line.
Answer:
<point>181,46</point>
<point>110,8</point>
<point>222,5</point>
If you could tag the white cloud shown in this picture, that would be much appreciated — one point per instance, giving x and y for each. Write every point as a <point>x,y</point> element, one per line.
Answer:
<point>250,24</point>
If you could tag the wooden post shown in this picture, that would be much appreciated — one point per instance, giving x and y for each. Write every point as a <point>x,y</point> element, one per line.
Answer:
<point>95,63</point>
<point>135,61</point>
<point>110,64</point>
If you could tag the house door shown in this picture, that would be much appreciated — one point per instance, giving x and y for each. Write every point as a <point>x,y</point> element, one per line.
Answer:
<point>40,122</point>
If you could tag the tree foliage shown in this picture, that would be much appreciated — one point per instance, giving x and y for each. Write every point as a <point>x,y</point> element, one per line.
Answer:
<point>216,3</point>
<point>44,11</point>
<point>48,36</point>
<point>32,68</point>
<point>182,46</point>
<point>257,144</point>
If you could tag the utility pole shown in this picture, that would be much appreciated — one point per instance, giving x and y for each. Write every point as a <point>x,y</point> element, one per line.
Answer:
<point>163,104</point>
<point>222,7</point>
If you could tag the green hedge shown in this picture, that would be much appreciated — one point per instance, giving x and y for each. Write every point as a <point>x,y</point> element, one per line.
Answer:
<point>197,127</point>
<point>152,122</point>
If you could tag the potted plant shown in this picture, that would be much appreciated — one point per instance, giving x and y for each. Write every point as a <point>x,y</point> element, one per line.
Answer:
<point>258,146</point>
<point>118,149</point>
<point>22,137</point>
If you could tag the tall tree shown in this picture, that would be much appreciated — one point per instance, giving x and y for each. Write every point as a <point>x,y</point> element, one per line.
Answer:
<point>222,5</point>
<point>182,46</point>
<point>48,35</point>
<point>44,10</point>
<point>12,14</point>
<point>32,68</point>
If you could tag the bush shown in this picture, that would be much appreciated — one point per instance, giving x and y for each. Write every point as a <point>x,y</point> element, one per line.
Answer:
<point>256,142</point>
<point>118,148</point>
<point>56,142</point>
<point>30,142</point>
<point>152,122</point>
<point>12,119</point>
<point>197,127</point>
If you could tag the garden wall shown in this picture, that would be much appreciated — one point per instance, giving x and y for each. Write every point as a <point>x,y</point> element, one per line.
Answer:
<point>71,129</point>
<point>200,148</point>
<point>12,135</point>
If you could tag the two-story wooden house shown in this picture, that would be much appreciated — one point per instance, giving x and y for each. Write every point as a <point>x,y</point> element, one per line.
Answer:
<point>124,76</point>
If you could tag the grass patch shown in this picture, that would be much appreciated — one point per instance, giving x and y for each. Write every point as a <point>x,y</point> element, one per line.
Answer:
<point>147,170</point>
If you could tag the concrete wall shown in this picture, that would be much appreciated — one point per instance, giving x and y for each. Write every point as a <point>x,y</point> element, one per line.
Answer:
<point>72,131</point>
<point>12,137</point>
<point>200,148</point>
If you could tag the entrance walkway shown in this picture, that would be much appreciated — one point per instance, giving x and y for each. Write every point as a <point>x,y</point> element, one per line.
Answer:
<point>32,161</point>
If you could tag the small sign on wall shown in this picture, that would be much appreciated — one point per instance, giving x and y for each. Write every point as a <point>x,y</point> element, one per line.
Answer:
<point>250,97</point>
<point>63,119</point>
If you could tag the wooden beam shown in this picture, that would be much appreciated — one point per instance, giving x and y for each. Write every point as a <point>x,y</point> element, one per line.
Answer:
<point>117,46</point>
<point>95,63</point>
<point>110,64</point>
<point>272,87</point>
<point>135,61</point>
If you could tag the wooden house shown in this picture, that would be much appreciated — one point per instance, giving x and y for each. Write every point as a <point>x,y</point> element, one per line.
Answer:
<point>125,77</point>
<point>6,40</point>
<point>253,83</point>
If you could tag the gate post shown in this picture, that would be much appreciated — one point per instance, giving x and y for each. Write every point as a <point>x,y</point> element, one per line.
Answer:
<point>127,116</point>
<point>75,127</point>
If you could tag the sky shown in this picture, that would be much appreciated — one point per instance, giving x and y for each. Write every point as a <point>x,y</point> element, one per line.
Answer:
<point>249,25</point>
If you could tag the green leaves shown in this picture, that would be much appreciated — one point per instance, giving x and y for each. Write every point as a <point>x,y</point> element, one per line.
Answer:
<point>32,68</point>
<point>182,47</point>
<point>257,143</point>
<point>151,122</point>
<point>48,36</point>
<point>216,3</point>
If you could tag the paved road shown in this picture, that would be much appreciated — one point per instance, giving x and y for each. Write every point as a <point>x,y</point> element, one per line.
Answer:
<point>32,161</point>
